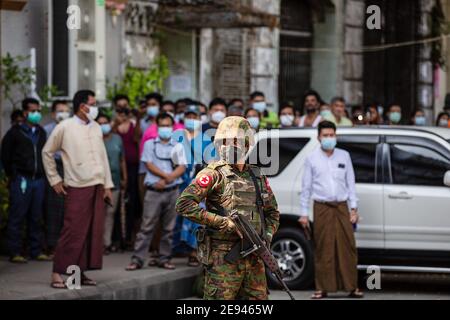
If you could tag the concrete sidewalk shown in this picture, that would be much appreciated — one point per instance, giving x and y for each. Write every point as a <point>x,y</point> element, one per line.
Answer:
<point>32,281</point>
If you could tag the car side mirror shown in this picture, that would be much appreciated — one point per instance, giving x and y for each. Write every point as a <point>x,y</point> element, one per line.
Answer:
<point>447,179</point>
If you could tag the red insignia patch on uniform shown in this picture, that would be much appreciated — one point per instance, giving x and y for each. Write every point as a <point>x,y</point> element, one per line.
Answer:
<point>204,180</point>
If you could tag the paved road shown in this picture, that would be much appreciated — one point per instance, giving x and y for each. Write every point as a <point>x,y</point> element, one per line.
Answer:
<point>393,287</point>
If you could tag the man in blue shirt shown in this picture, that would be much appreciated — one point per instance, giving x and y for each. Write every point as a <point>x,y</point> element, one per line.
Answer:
<point>165,161</point>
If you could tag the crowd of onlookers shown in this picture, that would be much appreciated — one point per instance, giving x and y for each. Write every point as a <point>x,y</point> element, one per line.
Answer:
<point>148,165</point>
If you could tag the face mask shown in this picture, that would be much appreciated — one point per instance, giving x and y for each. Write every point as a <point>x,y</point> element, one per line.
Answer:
<point>395,117</point>
<point>165,133</point>
<point>443,123</point>
<point>171,114</point>
<point>218,116</point>
<point>231,154</point>
<point>326,114</point>
<point>287,120</point>
<point>60,116</point>
<point>254,122</point>
<point>328,144</point>
<point>420,121</point>
<point>152,111</point>
<point>93,113</point>
<point>260,106</point>
<point>204,118</point>
<point>179,117</point>
<point>106,128</point>
<point>192,124</point>
<point>34,117</point>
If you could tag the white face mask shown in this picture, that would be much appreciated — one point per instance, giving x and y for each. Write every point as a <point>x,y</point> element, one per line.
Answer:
<point>205,118</point>
<point>287,120</point>
<point>218,116</point>
<point>443,123</point>
<point>93,113</point>
<point>60,116</point>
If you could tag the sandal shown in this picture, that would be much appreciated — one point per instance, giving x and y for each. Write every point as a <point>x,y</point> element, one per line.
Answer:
<point>356,294</point>
<point>85,281</point>
<point>58,285</point>
<point>153,262</point>
<point>193,262</point>
<point>167,265</point>
<point>318,295</point>
<point>133,266</point>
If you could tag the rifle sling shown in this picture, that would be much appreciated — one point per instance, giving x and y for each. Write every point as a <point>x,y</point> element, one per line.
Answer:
<point>259,204</point>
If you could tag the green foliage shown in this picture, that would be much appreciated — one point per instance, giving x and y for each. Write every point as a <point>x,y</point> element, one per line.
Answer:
<point>46,93</point>
<point>137,82</point>
<point>15,77</point>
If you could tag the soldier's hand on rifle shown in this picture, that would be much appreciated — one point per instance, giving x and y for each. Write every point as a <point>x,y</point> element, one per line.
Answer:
<point>227,225</point>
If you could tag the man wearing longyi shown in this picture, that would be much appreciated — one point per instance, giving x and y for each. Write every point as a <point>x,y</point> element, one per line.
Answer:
<point>329,180</point>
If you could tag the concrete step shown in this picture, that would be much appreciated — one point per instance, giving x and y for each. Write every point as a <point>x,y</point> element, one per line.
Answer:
<point>32,281</point>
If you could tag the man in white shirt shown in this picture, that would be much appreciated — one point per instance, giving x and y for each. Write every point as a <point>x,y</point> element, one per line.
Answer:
<point>329,180</point>
<point>86,188</point>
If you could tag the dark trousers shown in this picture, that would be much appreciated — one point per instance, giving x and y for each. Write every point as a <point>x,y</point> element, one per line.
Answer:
<point>26,205</point>
<point>133,204</point>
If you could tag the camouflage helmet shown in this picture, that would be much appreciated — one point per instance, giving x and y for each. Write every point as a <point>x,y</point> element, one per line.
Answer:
<point>238,128</point>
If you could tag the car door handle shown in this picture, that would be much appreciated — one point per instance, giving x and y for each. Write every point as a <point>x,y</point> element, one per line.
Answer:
<point>400,196</point>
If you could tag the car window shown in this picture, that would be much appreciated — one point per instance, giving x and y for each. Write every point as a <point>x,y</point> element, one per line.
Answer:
<point>273,155</point>
<point>417,165</point>
<point>363,153</point>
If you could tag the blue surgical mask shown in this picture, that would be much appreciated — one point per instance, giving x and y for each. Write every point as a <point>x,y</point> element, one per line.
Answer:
<point>260,106</point>
<point>326,114</point>
<point>179,117</point>
<point>106,128</point>
<point>254,122</point>
<point>165,133</point>
<point>328,144</point>
<point>192,124</point>
<point>152,111</point>
<point>420,121</point>
<point>395,117</point>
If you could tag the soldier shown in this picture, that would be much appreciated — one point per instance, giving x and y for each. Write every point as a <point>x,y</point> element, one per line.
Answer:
<point>225,185</point>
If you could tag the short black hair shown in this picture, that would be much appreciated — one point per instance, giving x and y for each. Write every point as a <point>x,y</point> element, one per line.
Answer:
<point>167,102</point>
<point>156,96</point>
<point>217,101</point>
<point>314,93</point>
<point>27,101</point>
<point>286,105</point>
<point>326,125</point>
<point>103,115</point>
<point>255,94</point>
<point>56,102</point>
<point>16,114</point>
<point>247,111</point>
<point>81,97</point>
<point>119,97</point>
<point>337,99</point>
<point>233,101</point>
<point>395,103</point>
<point>163,116</point>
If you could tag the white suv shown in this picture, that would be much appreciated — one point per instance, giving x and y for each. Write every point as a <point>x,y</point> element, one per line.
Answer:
<point>403,179</point>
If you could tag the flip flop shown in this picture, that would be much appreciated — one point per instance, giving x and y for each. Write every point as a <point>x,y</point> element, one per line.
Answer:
<point>319,295</point>
<point>356,294</point>
<point>133,267</point>
<point>167,265</point>
<point>58,285</point>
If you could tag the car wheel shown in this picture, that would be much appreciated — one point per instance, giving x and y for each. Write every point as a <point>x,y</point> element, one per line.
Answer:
<point>295,259</point>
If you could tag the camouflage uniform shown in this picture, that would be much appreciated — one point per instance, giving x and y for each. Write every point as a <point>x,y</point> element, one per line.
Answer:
<point>224,188</point>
